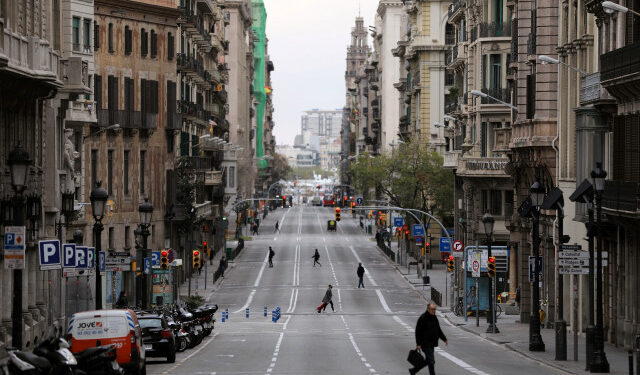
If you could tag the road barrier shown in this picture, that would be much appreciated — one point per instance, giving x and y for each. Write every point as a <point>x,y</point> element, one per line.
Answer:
<point>386,249</point>
<point>275,315</point>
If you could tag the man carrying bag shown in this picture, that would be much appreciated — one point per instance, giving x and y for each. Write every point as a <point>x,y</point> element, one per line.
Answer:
<point>427,334</point>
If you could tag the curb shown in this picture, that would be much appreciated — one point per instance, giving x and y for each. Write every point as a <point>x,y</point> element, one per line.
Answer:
<point>511,348</point>
<point>403,276</point>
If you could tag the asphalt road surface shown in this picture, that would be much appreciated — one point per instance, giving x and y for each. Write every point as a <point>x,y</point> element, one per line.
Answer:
<point>370,332</point>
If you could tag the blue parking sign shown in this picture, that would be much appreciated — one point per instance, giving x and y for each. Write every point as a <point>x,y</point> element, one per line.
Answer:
<point>91,257</point>
<point>69,255</point>
<point>155,259</point>
<point>147,266</point>
<point>103,262</point>
<point>49,254</point>
<point>81,257</point>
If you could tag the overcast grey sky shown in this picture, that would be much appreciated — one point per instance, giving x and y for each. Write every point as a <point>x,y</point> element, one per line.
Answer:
<point>308,44</point>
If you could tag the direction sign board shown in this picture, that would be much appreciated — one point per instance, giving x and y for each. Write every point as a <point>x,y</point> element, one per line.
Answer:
<point>50,257</point>
<point>574,254</point>
<point>573,271</point>
<point>155,259</point>
<point>457,246</point>
<point>445,245</point>
<point>571,247</point>
<point>531,270</point>
<point>69,255</point>
<point>398,221</point>
<point>14,240</point>
<point>476,259</point>
<point>418,230</point>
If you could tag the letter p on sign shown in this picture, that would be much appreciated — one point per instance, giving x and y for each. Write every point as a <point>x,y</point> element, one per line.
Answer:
<point>49,254</point>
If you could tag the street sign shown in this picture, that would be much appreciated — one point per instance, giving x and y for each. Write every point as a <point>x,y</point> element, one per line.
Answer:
<point>457,246</point>
<point>147,266</point>
<point>359,200</point>
<point>91,260</point>
<point>571,247</point>
<point>81,257</point>
<point>119,254</point>
<point>155,259</point>
<point>398,221</point>
<point>531,271</point>
<point>476,260</point>
<point>581,255</point>
<point>445,245</point>
<point>50,257</point>
<point>171,255</point>
<point>573,271</point>
<point>14,239</point>
<point>499,252</point>
<point>419,240</point>
<point>103,261</point>
<point>69,255</point>
<point>418,230</point>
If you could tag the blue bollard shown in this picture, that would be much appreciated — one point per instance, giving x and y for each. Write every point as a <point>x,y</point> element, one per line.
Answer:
<point>223,317</point>
<point>265,311</point>
<point>247,312</point>
<point>226,311</point>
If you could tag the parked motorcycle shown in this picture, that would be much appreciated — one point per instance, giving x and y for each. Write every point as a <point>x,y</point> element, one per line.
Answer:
<point>51,356</point>
<point>100,360</point>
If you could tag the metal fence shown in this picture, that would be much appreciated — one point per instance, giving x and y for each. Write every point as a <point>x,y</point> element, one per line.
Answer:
<point>386,249</point>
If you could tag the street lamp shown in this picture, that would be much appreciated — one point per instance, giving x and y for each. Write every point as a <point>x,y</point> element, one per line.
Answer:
<point>110,127</point>
<point>611,7</point>
<point>98,198</point>
<point>19,163</point>
<point>146,212</point>
<point>599,361</point>
<point>535,339</point>
<point>485,95</point>
<point>544,59</point>
<point>488,222</point>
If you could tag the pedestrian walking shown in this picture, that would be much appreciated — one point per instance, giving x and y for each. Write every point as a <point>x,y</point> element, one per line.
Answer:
<point>428,333</point>
<point>316,257</point>
<point>360,273</point>
<point>327,299</point>
<point>277,227</point>
<point>271,254</point>
<point>222,266</point>
<point>122,300</point>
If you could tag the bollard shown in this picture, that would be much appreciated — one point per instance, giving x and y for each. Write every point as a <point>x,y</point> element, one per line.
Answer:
<point>223,317</point>
<point>247,312</point>
<point>265,311</point>
<point>273,316</point>
<point>226,311</point>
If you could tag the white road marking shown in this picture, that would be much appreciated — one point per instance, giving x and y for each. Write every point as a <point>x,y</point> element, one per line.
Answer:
<point>183,360</point>
<point>371,280</point>
<point>333,271</point>
<point>383,302</point>
<point>275,354</point>
<point>264,264</point>
<point>253,292</point>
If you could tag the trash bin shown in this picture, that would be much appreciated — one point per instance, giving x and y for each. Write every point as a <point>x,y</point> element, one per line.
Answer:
<point>231,249</point>
<point>369,229</point>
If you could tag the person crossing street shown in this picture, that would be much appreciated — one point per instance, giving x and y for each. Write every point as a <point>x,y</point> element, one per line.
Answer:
<point>277,227</point>
<point>316,257</point>
<point>327,299</point>
<point>271,254</point>
<point>428,333</point>
<point>360,273</point>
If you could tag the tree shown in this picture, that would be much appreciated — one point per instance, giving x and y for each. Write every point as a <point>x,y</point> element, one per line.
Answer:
<point>280,169</point>
<point>187,185</point>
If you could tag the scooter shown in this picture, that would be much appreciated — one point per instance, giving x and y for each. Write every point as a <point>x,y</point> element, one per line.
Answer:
<point>52,357</point>
<point>100,360</point>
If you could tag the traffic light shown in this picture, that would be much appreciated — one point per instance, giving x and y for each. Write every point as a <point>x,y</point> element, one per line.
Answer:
<point>164,260</point>
<point>196,259</point>
<point>205,248</point>
<point>284,201</point>
<point>450,264</point>
<point>491,266</point>
<point>337,213</point>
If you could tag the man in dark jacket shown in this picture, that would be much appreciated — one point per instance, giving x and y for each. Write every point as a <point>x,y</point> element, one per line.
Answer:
<point>427,334</point>
<point>271,254</point>
<point>360,275</point>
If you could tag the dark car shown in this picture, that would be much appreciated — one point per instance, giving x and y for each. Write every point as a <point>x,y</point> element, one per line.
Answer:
<point>157,337</point>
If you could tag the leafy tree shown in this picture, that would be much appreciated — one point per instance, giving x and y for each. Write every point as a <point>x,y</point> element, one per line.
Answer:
<point>280,168</point>
<point>186,191</point>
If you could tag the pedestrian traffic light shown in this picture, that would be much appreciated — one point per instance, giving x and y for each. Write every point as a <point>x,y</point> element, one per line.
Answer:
<point>196,259</point>
<point>337,213</point>
<point>205,248</point>
<point>353,204</point>
<point>450,264</point>
<point>164,260</point>
<point>491,266</point>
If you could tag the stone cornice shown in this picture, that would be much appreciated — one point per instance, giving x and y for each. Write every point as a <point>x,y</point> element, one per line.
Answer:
<point>382,7</point>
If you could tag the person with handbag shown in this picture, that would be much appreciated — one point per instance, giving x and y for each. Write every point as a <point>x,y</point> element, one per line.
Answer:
<point>428,333</point>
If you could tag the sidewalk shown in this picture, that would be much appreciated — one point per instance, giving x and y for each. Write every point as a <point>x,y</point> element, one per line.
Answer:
<point>513,335</point>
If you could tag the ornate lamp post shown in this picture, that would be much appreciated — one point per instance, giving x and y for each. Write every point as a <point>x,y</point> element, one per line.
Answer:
<point>98,198</point>
<point>488,222</point>
<point>19,163</point>
<point>146,212</point>
<point>535,339</point>
<point>599,361</point>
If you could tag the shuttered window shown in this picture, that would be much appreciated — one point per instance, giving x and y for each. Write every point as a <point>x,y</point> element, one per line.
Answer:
<point>170,46</point>
<point>96,36</point>
<point>531,96</point>
<point>144,43</point>
<point>97,90</point>
<point>128,42</point>
<point>483,140</point>
<point>154,44</point>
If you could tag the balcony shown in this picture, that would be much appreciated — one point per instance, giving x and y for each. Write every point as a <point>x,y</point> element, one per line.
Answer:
<point>193,111</point>
<point>498,93</point>
<point>620,72</point>
<point>81,111</point>
<point>458,56</point>
<point>451,159</point>
<point>205,6</point>
<point>174,121</point>
<point>456,10</point>
<point>620,196</point>
<point>212,178</point>
<point>74,73</point>
<point>200,162</point>
<point>494,30</point>
<point>592,92</point>
<point>28,57</point>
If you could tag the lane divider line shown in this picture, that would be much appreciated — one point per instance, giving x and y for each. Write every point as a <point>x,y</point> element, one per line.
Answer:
<point>333,271</point>
<point>274,358</point>
<point>253,292</point>
<point>183,360</point>
<point>264,264</point>
<point>368,273</point>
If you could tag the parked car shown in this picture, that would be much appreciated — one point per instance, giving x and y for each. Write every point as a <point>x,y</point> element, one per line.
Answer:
<point>119,328</point>
<point>158,338</point>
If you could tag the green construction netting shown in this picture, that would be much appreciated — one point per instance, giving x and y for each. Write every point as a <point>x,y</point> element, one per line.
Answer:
<point>259,26</point>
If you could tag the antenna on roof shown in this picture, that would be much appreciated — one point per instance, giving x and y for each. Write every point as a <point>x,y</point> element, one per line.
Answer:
<point>359,6</point>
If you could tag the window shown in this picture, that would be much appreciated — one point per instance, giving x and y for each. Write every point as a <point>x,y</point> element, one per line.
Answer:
<point>75,34</point>
<point>96,36</point>
<point>143,156</point>
<point>148,96</point>
<point>496,75</point>
<point>127,40</point>
<point>110,172</point>
<point>55,21</point>
<point>497,16</point>
<point>94,168</point>
<point>127,237</point>
<point>531,96</point>
<point>125,169</point>
<point>154,44</point>
<point>483,140</point>
<point>112,98</point>
<point>110,37</point>
<point>485,200</point>
<point>86,37</point>
<point>170,46</point>
<point>144,43</point>
<point>97,91</point>
<point>496,202</point>
<point>232,177</point>
<point>112,238</point>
